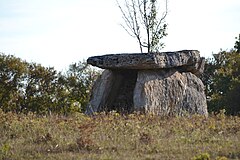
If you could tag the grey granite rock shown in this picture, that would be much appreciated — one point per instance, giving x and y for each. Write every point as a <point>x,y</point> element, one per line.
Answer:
<point>186,58</point>
<point>100,91</point>
<point>169,93</point>
<point>163,83</point>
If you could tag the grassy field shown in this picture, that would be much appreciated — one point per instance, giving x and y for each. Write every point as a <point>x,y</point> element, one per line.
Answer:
<point>114,136</point>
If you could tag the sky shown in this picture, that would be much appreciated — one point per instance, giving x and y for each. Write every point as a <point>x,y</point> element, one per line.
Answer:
<point>57,33</point>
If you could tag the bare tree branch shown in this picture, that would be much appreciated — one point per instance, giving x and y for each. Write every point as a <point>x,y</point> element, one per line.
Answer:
<point>141,22</point>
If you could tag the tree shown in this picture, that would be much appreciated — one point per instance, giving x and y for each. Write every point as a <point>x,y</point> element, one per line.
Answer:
<point>75,86</point>
<point>222,81</point>
<point>144,22</point>
<point>40,89</point>
<point>237,44</point>
<point>12,74</point>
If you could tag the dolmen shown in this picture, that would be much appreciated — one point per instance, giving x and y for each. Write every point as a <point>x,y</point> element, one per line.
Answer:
<point>165,83</point>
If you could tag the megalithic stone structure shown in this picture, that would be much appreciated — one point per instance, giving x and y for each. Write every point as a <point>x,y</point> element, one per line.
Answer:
<point>164,83</point>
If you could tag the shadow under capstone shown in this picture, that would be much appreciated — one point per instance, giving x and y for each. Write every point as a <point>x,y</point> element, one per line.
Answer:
<point>120,97</point>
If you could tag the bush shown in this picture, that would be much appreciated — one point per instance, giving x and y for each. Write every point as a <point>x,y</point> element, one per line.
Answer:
<point>222,81</point>
<point>30,87</point>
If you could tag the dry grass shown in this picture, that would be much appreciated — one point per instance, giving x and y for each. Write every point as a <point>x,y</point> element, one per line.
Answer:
<point>114,136</point>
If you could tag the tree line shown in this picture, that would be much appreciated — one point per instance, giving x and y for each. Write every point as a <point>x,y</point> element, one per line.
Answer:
<point>30,87</point>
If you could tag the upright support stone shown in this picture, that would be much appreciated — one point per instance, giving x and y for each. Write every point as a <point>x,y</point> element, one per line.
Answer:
<point>194,101</point>
<point>159,92</point>
<point>169,93</point>
<point>100,92</point>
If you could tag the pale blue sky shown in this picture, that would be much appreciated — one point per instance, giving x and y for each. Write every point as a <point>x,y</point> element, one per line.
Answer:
<point>59,32</point>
